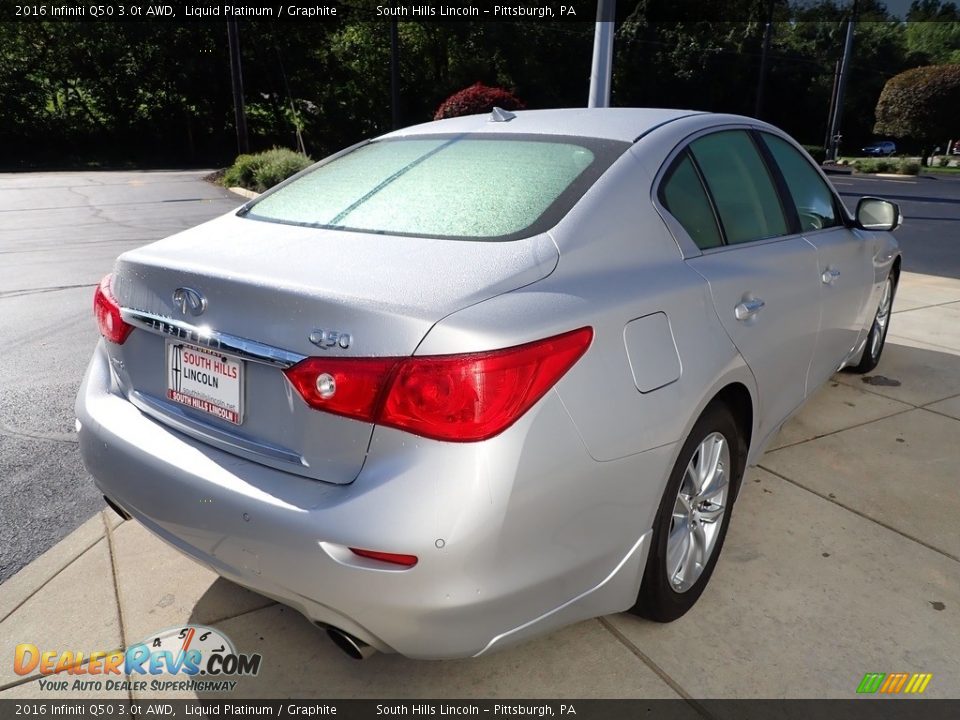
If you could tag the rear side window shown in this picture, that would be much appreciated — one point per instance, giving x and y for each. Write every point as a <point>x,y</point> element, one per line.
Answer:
<point>457,187</point>
<point>683,195</point>
<point>743,192</point>
<point>810,193</point>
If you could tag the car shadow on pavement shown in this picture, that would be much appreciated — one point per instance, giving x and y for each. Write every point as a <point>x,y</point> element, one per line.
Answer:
<point>299,661</point>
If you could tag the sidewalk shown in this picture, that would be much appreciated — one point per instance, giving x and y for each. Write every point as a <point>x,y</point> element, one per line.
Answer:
<point>843,558</point>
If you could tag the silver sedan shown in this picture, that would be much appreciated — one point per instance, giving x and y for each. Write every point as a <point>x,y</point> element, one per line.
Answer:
<point>478,379</point>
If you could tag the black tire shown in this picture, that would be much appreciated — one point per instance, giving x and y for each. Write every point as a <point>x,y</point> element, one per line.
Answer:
<point>658,599</point>
<point>877,337</point>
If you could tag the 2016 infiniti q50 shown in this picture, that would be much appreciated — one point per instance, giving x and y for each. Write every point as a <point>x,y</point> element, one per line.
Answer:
<point>480,378</point>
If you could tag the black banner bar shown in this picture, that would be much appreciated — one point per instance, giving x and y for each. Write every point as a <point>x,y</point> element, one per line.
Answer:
<point>297,10</point>
<point>583,11</point>
<point>856,709</point>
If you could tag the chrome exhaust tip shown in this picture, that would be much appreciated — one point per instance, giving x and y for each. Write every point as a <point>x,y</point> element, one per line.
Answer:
<point>354,647</point>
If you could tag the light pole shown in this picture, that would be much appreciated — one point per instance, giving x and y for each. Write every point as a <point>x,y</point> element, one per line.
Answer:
<point>236,79</point>
<point>833,103</point>
<point>767,33</point>
<point>602,67</point>
<point>842,83</point>
<point>394,74</point>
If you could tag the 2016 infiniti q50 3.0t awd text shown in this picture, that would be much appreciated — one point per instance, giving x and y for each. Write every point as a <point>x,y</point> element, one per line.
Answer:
<point>480,378</point>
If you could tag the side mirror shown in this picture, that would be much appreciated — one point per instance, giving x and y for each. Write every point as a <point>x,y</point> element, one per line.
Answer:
<point>876,214</point>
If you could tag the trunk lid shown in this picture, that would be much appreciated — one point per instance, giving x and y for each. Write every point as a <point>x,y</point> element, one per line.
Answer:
<point>276,284</point>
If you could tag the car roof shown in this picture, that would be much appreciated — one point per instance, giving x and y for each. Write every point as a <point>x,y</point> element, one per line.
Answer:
<point>625,124</point>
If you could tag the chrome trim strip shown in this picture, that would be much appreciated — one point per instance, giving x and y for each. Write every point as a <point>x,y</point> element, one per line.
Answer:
<point>171,415</point>
<point>232,344</point>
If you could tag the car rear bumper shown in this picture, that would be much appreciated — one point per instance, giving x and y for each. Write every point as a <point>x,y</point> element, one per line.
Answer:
<point>515,536</point>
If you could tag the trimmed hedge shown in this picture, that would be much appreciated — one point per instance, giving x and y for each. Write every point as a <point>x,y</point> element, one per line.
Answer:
<point>902,166</point>
<point>261,171</point>
<point>920,103</point>
<point>816,152</point>
<point>908,166</point>
<point>873,165</point>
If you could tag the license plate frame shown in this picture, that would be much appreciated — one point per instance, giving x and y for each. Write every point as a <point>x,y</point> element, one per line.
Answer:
<point>190,369</point>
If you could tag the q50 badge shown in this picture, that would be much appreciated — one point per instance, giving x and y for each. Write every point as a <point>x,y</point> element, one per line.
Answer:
<point>325,339</point>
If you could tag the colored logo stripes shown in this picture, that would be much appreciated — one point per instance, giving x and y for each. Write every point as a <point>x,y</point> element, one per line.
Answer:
<point>894,683</point>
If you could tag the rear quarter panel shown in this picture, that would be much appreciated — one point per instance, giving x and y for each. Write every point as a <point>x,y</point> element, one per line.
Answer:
<point>617,263</point>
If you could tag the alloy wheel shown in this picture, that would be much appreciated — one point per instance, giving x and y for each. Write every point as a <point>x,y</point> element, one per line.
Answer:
<point>698,512</point>
<point>883,317</point>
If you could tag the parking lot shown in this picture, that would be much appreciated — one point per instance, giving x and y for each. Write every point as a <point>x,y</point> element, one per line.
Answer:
<point>843,555</point>
<point>60,234</point>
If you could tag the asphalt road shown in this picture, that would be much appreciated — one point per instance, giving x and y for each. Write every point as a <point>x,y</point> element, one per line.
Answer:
<point>59,234</point>
<point>930,236</point>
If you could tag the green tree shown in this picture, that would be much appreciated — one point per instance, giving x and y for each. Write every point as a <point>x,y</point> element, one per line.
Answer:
<point>927,10</point>
<point>921,104</point>
<point>934,42</point>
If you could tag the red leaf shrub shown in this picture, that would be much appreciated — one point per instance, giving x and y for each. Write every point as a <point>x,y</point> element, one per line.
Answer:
<point>476,99</point>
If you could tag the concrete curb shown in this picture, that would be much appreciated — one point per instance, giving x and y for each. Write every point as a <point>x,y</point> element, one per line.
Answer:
<point>243,192</point>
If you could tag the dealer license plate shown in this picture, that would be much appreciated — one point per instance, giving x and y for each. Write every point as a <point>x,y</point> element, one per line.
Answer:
<point>205,380</point>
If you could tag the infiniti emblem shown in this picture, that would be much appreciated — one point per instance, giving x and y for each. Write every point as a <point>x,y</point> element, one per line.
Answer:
<point>189,301</point>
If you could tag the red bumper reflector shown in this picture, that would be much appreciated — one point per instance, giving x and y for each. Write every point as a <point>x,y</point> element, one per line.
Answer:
<point>393,558</point>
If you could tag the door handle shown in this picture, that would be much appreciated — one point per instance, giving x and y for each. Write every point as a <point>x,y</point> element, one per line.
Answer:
<point>747,309</point>
<point>829,276</point>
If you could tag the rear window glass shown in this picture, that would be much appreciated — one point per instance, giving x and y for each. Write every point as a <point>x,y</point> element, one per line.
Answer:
<point>441,186</point>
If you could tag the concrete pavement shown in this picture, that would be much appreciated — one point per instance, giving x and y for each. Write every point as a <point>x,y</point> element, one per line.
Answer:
<point>843,558</point>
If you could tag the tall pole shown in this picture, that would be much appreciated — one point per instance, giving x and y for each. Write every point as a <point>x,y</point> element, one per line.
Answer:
<point>833,104</point>
<point>293,108</point>
<point>842,84</point>
<point>236,79</point>
<point>602,67</point>
<point>764,53</point>
<point>395,74</point>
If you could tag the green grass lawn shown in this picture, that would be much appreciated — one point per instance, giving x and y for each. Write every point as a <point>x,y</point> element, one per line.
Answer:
<point>941,171</point>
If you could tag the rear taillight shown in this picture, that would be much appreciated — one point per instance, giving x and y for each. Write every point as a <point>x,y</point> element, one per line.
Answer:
<point>460,398</point>
<point>107,310</point>
<point>477,396</point>
<point>343,386</point>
